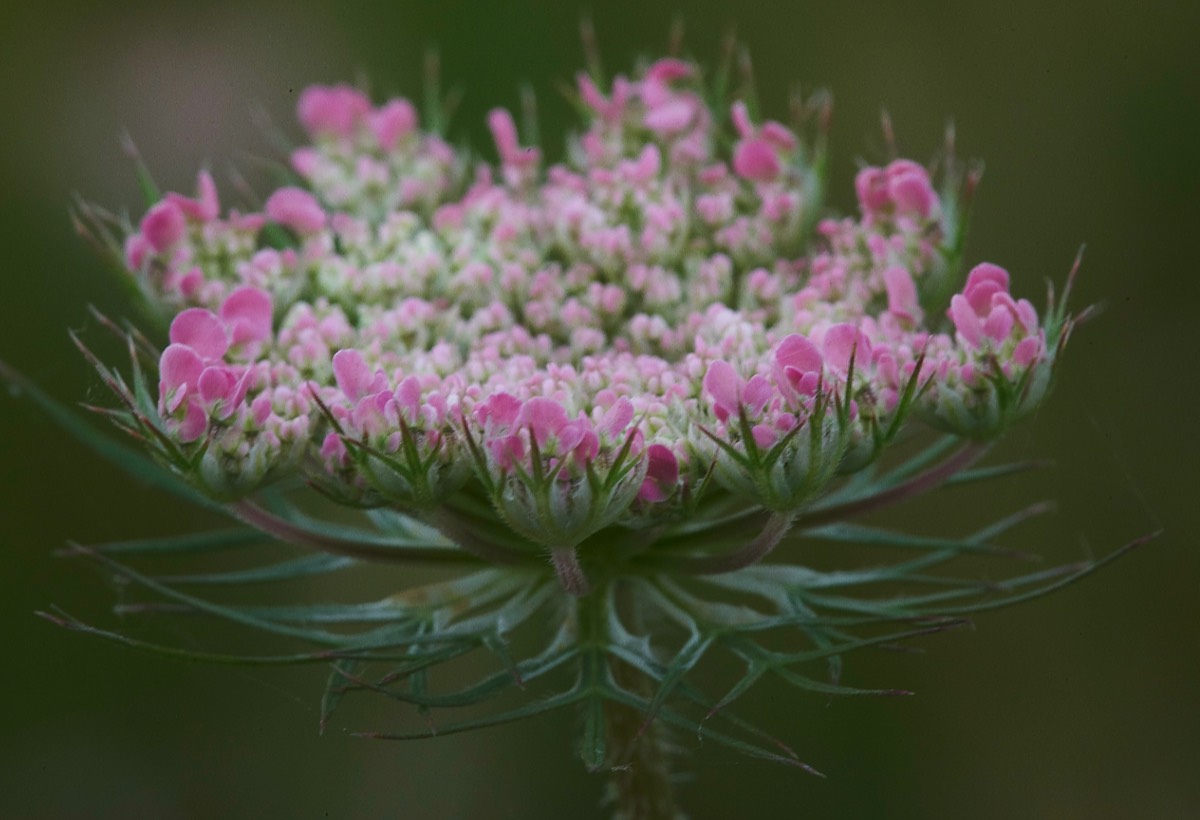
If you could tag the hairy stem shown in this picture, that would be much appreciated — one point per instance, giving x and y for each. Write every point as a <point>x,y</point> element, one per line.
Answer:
<point>570,573</point>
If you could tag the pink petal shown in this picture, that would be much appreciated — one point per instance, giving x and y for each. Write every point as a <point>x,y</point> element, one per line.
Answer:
<point>668,69</point>
<point>305,161</point>
<point>588,447</point>
<point>590,94</point>
<point>764,436</point>
<point>334,110</point>
<point>297,209</point>
<point>966,321</point>
<point>1027,351</point>
<point>909,188</point>
<point>648,164</point>
<point>841,342</point>
<point>756,394</point>
<point>671,116</point>
<point>741,119</point>
<point>571,435</point>
<point>755,159</point>
<point>408,396</point>
<point>500,411</point>
<point>901,293</point>
<point>543,416</point>
<point>987,272</point>
<point>1027,315</point>
<point>163,225</point>
<point>202,331</point>
<point>616,418</point>
<point>504,132</point>
<point>507,450</point>
<point>797,352</point>
<point>216,384</point>
<point>871,186</point>
<point>998,324</point>
<point>333,448</point>
<point>662,474</point>
<point>261,410</point>
<point>194,422</point>
<point>137,248</point>
<point>392,122</point>
<point>797,366</point>
<point>240,389</point>
<point>352,374</point>
<point>780,136</point>
<point>178,366</point>
<point>247,312</point>
<point>722,382</point>
<point>206,207</point>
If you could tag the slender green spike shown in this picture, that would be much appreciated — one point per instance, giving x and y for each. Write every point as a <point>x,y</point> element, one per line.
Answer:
<point>201,605</point>
<point>685,661</point>
<point>729,449</point>
<point>825,688</point>
<point>754,671</point>
<point>479,692</point>
<point>877,537</point>
<point>199,542</point>
<point>530,134</point>
<point>1008,522</point>
<point>591,51</point>
<point>434,115</point>
<point>979,474</point>
<point>1067,575</point>
<point>62,619</point>
<point>593,746</point>
<point>287,570</point>
<point>539,707</point>
<point>673,718</point>
<point>336,688</point>
<point>128,459</point>
<point>150,191</point>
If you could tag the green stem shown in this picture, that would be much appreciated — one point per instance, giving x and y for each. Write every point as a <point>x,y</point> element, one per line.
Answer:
<point>639,758</point>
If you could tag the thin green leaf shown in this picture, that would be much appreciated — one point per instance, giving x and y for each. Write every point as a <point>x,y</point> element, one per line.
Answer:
<point>188,543</point>
<point>283,571</point>
<point>528,710</point>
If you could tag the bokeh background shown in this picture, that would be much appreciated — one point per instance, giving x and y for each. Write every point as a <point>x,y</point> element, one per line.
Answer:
<point>1085,704</point>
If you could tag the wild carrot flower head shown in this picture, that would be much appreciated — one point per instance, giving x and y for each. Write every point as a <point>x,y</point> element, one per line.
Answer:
<point>548,332</point>
<point>609,386</point>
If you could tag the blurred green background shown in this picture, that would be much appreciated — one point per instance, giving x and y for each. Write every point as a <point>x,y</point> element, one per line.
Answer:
<point>1085,704</point>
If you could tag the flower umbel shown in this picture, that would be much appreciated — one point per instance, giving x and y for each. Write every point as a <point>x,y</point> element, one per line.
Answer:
<point>612,396</point>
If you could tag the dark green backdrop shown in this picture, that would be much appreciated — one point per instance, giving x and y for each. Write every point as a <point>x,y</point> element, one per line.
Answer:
<point>1083,705</point>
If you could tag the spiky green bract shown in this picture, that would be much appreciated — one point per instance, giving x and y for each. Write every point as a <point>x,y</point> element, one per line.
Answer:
<point>652,617</point>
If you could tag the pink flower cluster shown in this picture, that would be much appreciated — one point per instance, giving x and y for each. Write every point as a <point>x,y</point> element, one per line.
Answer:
<point>654,302</point>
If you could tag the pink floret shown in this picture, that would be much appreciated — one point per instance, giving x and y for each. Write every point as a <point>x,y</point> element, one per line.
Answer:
<point>332,110</point>
<point>163,226</point>
<point>202,331</point>
<point>296,209</point>
<point>247,314</point>
<point>392,122</point>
